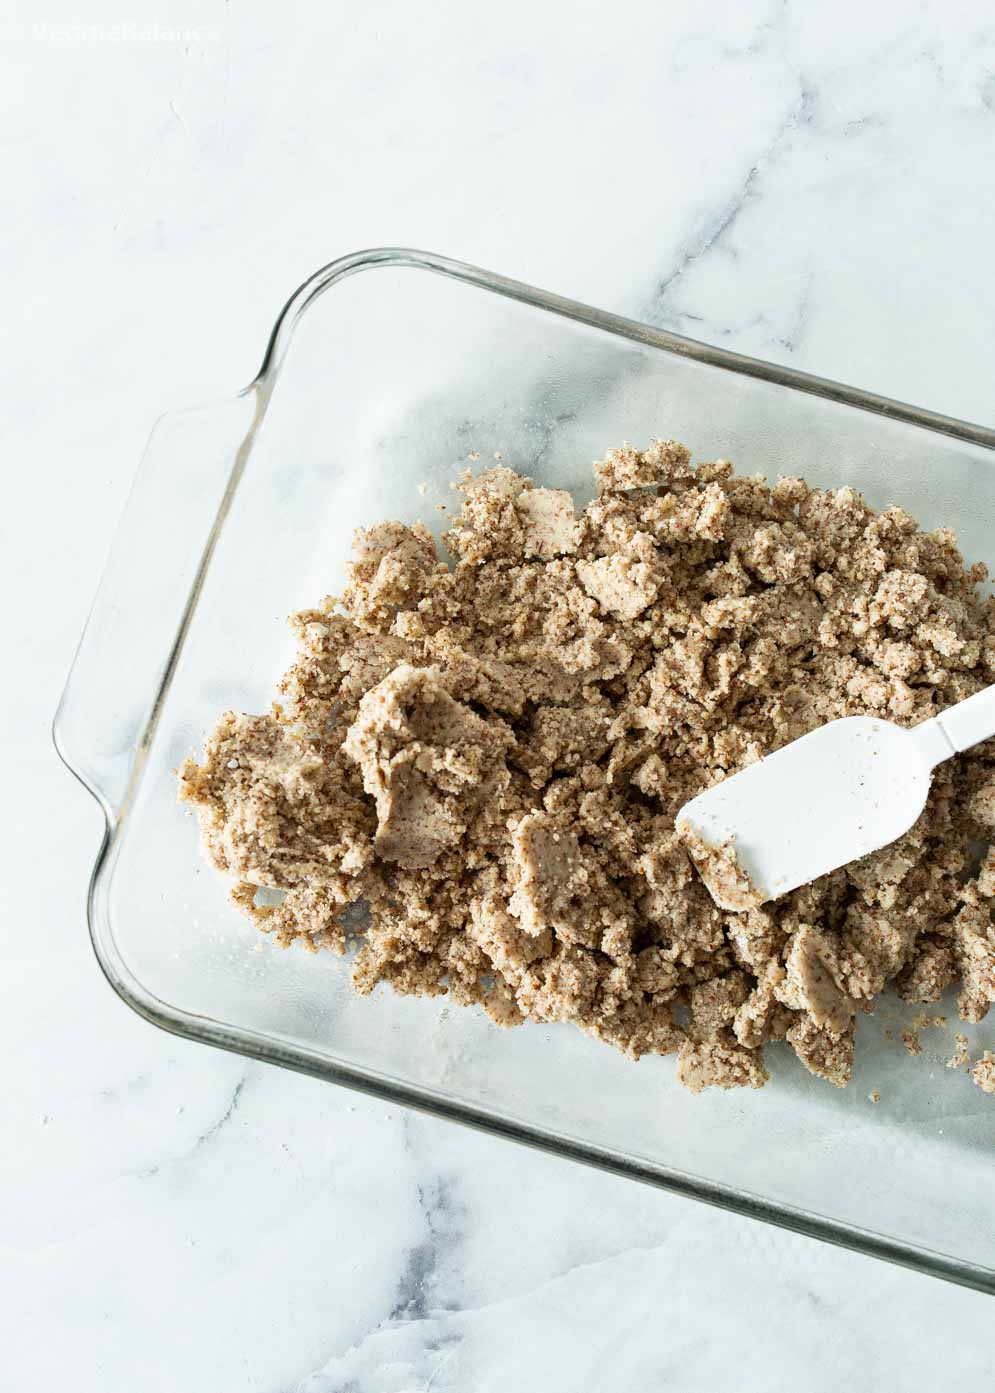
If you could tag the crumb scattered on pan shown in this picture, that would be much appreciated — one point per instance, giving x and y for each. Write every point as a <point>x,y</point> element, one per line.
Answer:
<point>921,1021</point>
<point>983,1072</point>
<point>874,1097</point>
<point>490,757</point>
<point>961,1057</point>
<point>924,1021</point>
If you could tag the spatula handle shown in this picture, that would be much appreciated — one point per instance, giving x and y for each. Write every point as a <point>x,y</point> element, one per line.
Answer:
<point>970,721</point>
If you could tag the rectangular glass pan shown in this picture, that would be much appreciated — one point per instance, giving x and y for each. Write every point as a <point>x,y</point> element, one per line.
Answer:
<point>375,389</point>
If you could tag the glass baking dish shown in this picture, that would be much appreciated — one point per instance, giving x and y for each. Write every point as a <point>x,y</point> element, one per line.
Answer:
<point>368,403</point>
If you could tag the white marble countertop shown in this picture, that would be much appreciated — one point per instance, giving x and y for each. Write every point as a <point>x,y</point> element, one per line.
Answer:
<point>807,183</point>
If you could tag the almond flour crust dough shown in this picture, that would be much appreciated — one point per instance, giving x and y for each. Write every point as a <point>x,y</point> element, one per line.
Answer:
<point>491,756</point>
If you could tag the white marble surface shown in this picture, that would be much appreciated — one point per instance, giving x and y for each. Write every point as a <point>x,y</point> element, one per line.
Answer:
<point>807,182</point>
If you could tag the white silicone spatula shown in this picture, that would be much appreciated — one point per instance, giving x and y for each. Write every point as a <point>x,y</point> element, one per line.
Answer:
<point>838,793</point>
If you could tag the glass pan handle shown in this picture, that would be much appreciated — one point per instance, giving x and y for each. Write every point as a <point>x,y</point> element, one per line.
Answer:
<point>158,559</point>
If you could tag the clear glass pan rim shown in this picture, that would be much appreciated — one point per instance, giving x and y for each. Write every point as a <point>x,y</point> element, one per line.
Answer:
<point>256,1045</point>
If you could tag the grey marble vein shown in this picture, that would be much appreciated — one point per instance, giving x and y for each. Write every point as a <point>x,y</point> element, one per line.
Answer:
<point>714,235</point>
<point>439,1211</point>
<point>791,340</point>
<point>222,1122</point>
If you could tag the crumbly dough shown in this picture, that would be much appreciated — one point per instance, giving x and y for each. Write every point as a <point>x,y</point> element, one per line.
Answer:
<point>490,756</point>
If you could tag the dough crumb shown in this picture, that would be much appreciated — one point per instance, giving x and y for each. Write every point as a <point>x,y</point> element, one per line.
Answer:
<point>961,1057</point>
<point>709,1064</point>
<point>924,1021</point>
<point>664,462</point>
<point>472,774</point>
<point>983,1072</point>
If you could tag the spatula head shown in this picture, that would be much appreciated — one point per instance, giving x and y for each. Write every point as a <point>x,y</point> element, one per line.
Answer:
<point>838,793</point>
